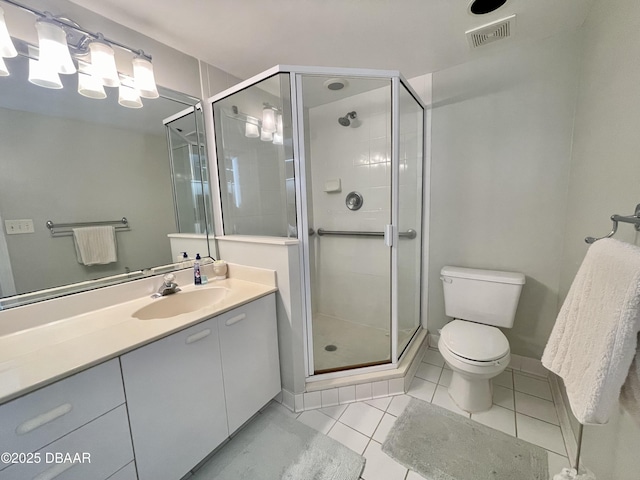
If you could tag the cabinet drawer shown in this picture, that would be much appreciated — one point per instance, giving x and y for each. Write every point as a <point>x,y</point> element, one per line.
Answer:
<point>37,419</point>
<point>250,363</point>
<point>106,439</point>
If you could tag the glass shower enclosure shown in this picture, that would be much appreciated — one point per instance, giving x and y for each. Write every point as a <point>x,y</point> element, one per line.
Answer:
<point>333,157</point>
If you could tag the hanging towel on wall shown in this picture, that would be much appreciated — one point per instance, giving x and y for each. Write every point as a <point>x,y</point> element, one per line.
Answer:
<point>630,394</point>
<point>594,339</point>
<point>95,245</point>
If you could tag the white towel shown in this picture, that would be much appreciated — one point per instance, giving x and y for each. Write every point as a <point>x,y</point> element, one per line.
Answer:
<point>95,245</point>
<point>595,336</point>
<point>630,394</point>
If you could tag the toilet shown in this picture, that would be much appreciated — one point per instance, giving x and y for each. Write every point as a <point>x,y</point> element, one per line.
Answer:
<point>479,301</point>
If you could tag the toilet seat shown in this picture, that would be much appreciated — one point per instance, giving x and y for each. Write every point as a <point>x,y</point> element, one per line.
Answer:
<point>474,343</point>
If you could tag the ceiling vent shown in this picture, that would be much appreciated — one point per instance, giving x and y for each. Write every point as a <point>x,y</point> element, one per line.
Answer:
<point>491,32</point>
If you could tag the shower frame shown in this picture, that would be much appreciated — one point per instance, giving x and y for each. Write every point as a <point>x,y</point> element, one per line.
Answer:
<point>303,227</point>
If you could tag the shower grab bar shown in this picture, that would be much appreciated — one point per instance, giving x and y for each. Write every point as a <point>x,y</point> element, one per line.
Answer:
<point>122,224</point>
<point>634,219</point>
<point>321,231</point>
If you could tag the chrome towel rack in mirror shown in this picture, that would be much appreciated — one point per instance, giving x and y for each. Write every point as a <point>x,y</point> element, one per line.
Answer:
<point>634,219</point>
<point>122,224</point>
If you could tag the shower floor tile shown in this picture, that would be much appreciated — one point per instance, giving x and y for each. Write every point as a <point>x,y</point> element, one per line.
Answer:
<point>355,344</point>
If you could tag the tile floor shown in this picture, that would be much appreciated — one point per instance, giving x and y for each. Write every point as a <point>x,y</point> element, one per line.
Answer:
<point>523,407</point>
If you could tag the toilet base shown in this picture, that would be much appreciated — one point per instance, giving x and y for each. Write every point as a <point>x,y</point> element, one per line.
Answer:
<point>470,394</point>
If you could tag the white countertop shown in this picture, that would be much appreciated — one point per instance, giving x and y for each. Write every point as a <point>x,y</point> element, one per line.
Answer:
<point>35,357</point>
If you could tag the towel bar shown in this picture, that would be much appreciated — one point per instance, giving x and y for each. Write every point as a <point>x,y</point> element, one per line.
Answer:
<point>633,219</point>
<point>122,224</point>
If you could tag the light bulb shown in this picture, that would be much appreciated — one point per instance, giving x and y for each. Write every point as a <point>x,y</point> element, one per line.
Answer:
<point>144,78</point>
<point>104,63</point>
<point>43,75</point>
<point>90,86</point>
<point>7,49</point>
<point>266,136</point>
<point>268,120</point>
<point>129,97</point>
<point>53,49</point>
<point>251,130</point>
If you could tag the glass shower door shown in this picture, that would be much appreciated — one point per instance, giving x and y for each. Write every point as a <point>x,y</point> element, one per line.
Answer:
<point>409,220</point>
<point>347,151</point>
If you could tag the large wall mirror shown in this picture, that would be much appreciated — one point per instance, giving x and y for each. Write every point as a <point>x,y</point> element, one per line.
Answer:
<point>68,159</point>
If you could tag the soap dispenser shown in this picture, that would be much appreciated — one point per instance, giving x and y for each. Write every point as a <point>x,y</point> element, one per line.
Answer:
<point>197,278</point>
<point>183,259</point>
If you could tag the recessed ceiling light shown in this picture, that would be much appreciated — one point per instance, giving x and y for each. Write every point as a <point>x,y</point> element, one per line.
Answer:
<point>480,7</point>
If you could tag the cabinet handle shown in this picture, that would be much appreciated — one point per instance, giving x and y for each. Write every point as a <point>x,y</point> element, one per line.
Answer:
<point>198,336</point>
<point>235,319</point>
<point>54,471</point>
<point>43,419</point>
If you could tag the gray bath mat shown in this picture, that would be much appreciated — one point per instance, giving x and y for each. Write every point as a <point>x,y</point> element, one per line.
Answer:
<point>442,445</point>
<point>274,447</point>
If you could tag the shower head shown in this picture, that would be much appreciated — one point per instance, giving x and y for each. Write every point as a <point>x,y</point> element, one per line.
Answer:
<point>346,120</point>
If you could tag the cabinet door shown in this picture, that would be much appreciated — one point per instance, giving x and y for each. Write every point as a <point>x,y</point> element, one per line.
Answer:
<point>175,399</point>
<point>250,363</point>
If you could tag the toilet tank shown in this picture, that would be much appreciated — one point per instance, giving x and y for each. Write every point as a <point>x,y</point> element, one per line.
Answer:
<point>483,296</point>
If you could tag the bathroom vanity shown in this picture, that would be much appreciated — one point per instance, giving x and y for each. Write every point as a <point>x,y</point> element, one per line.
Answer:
<point>171,398</point>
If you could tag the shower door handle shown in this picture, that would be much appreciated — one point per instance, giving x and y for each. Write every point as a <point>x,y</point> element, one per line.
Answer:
<point>388,235</point>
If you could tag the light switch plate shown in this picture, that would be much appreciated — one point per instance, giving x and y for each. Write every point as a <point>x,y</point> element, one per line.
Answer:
<point>16,227</point>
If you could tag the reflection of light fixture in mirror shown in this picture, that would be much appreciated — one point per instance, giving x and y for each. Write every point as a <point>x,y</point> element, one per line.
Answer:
<point>129,96</point>
<point>278,137</point>
<point>4,71</point>
<point>251,129</point>
<point>143,75</point>
<point>104,62</point>
<point>266,136</point>
<point>268,119</point>
<point>43,76</point>
<point>7,49</point>
<point>53,49</point>
<point>89,85</point>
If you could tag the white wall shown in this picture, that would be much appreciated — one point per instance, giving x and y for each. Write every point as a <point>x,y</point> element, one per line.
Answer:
<point>605,176</point>
<point>501,145</point>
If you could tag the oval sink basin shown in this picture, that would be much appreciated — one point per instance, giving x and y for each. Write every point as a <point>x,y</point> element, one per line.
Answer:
<point>181,302</point>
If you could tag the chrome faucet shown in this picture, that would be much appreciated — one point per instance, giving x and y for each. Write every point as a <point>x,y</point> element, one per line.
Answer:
<point>167,287</point>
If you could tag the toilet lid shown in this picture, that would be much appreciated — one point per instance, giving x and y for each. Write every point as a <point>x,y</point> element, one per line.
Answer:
<point>474,341</point>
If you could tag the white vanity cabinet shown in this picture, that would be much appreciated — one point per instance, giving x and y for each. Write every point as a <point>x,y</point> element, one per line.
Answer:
<point>82,414</point>
<point>176,401</point>
<point>250,363</point>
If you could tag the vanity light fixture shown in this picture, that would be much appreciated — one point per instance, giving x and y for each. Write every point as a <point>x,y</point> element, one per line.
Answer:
<point>278,136</point>
<point>4,71</point>
<point>53,49</point>
<point>62,43</point>
<point>266,136</point>
<point>90,85</point>
<point>251,129</point>
<point>143,76</point>
<point>129,96</point>
<point>7,49</point>
<point>42,75</point>
<point>104,62</point>
<point>268,119</point>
